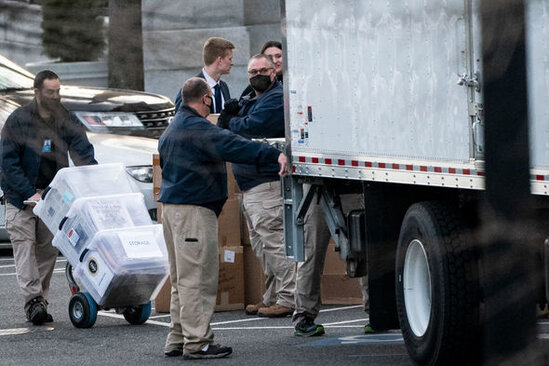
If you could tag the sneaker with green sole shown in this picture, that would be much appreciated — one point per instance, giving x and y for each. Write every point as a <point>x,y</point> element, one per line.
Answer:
<point>368,329</point>
<point>307,328</point>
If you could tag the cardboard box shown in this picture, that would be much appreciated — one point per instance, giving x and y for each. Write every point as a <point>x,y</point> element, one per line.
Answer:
<point>162,300</point>
<point>230,293</point>
<point>340,289</point>
<point>336,287</point>
<point>213,117</point>
<point>254,278</point>
<point>229,224</point>
<point>232,186</point>
<point>333,264</point>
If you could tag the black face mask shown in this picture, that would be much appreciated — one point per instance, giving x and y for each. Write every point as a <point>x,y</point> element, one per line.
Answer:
<point>260,83</point>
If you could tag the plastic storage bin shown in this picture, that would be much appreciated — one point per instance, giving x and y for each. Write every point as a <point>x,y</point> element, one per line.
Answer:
<point>83,181</point>
<point>124,266</point>
<point>89,215</point>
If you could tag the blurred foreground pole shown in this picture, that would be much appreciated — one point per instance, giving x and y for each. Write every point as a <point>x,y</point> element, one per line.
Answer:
<point>508,250</point>
<point>125,45</point>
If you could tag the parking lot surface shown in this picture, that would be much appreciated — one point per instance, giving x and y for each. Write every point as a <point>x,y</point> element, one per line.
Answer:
<point>255,340</point>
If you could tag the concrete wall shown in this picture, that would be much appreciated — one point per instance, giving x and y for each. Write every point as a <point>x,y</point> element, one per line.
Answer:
<point>174,32</point>
<point>21,32</point>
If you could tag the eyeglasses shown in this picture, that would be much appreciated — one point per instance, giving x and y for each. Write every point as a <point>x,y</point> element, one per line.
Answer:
<point>263,71</point>
<point>211,100</point>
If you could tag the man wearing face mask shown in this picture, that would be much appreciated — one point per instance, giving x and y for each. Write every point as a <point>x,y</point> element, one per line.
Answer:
<point>273,49</point>
<point>36,141</point>
<point>194,189</point>
<point>260,114</point>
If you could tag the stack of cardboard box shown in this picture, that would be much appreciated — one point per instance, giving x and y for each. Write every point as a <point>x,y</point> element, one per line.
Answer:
<point>241,278</point>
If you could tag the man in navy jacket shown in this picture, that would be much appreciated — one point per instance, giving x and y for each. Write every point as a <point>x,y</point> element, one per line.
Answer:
<point>194,188</point>
<point>35,142</point>
<point>261,115</point>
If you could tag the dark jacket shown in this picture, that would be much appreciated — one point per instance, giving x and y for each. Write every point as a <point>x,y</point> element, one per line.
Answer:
<point>193,152</point>
<point>22,147</point>
<point>222,85</point>
<point>259,117</point>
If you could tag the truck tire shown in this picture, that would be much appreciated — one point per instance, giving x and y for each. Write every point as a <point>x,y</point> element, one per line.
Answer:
<point>437,287</point>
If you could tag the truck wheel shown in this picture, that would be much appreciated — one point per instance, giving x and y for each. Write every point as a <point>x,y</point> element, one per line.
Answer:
<point>437,287</point>
<point>138,314</point>
<point>82,310</point>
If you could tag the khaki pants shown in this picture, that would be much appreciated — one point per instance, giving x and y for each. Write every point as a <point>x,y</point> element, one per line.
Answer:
<point>269,297</point>
<point>263,211</point>
<point>191,239</point>
<point>33,253</point>
<point>309,272</point>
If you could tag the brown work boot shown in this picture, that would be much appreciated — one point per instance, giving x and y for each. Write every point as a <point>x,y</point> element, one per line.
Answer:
<point>275,311</point>
<point>253,308</point>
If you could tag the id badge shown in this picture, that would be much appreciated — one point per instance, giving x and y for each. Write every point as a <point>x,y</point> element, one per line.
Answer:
<point>47,146</point>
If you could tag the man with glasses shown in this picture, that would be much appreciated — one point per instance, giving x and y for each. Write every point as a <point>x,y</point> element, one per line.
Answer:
<point>260,114</point>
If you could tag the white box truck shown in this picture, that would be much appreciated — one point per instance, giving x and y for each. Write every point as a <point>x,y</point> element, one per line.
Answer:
<point>385,98</point>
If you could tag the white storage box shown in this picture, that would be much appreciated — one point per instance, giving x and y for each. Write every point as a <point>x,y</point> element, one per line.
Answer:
<point>83,181</point>
<point>89,215</point>
<point>124,266</point>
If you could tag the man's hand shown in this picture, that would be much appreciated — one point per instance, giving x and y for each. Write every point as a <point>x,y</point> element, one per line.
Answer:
<point>34,198</point>
<point>231,106</point>
<point>283,162</point>
<point>223,120</point>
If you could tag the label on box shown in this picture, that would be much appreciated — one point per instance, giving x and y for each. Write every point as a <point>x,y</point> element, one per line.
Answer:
<point>110,213</point>
<point>68,197</point>
<point>73,237</point>
<point>141,244</point>
<point>99,274</point>
<point>228,256</point>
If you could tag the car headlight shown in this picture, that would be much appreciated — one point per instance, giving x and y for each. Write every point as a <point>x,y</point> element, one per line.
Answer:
<point>108,119</point>
<point>142,173</point>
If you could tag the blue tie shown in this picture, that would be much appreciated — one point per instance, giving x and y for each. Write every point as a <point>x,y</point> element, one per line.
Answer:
<point>217,96</point>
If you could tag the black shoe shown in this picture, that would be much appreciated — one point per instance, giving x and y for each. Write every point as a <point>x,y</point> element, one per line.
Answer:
<point>37,312</point>
<point>213,351</point>
<point>49,319</point>
<point>307,328</point>
<point>174,353</point>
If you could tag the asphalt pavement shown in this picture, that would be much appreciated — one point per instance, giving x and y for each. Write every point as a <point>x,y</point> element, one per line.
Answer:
<point>255,341</point>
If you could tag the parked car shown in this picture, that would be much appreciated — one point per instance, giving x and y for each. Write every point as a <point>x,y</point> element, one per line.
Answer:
<point>101,110</point>
<point>109,108</point>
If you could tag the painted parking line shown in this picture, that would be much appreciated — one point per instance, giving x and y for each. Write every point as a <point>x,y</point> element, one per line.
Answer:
<point>258,318</point>
<point>341,308</point>
<point>347,321</point>
<point>19,331</point>
<point>385,338</point>
<point>56,270</point>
